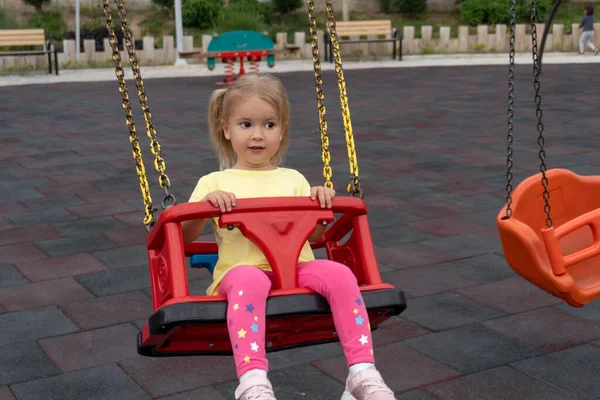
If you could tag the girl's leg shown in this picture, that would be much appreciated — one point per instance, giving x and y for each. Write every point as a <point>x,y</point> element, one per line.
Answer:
<point>338,285</point>
<point>247,288</point>
<point>581,43</point>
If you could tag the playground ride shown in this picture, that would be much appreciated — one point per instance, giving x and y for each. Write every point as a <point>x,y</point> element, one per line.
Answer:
<point>242,45</point>
<point>550,235</point>
<point>196,325</point>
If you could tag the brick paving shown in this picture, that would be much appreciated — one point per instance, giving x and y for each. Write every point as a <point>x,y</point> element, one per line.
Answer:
<point>74,285</point>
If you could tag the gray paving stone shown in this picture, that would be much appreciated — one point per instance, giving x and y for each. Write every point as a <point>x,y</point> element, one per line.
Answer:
<point>108,382</point>
<point>122,257</point>
<point>53,202</point>
<point>398,234</point>
<point>415,395</point>
<point>389,216</point>
<point>484,269</point>
<point>6,393</point>
<point>575,370</point>
<point>74,245</point>
<point>35,324</point>
<point>39,217</point>
<point>2,310</point>
<point>24,193</point>
<point>485,217</point>
<point>120,280</point>
<point>303,355</point>
<point>503,383</point>
<point>300,382</point>
<point>88,226</point>
<point>471,348</point>
<point>9,276</point>
<point>446,311</point>
<point>23,362</point>
<point>112,183</point>
<point>208,393</point>
<point>590,311</point>
<point>137,204</point>
<point>463,246</point>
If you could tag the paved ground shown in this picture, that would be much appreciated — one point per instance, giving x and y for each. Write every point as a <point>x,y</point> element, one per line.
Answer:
<point>73,275</point>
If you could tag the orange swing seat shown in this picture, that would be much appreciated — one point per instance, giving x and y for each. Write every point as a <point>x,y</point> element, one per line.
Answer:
<point>563,260</point>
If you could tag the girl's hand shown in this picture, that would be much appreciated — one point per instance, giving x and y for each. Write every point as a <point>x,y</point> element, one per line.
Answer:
<point>225,201</point>
<point>325,195</point>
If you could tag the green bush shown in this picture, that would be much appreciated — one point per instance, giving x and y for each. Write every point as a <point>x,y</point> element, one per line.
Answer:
<point>233,20</point>
<point>411,7</point>
<point>38,4</point>
<point>3,23</point>
<point>543,8</point>
<point>286,6</point>
<point>170,4</point>
<point>201,14</point>
<point>475,12</point>
<point>387,6</point>
<point>265,10</point>
<point>52,23</point>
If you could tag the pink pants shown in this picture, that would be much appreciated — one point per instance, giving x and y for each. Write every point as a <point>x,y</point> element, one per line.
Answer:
<point>247,288</point>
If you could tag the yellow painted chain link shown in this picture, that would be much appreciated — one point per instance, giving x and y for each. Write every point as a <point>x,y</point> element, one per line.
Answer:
<point>354,186</point>
<point>133,137</point>
<point>159,162</point>
<point>325,155</point>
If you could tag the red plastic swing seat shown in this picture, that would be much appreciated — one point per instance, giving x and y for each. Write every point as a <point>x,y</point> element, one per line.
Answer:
<point>196,325</point>
<point>563,260</point>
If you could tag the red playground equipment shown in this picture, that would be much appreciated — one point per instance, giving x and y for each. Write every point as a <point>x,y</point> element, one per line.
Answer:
<point>196,325</point>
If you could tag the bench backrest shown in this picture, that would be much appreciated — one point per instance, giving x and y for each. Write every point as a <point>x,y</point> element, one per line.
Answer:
<point>22,37</point>
<point>363,28</point>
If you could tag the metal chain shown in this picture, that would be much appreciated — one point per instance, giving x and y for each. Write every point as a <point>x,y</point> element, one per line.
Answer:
<point>539,114</point>
<point>149,210</point>
<point>325,155</point>
<point>511,102</point>
<point>354,186</point>
<point>159,162</point>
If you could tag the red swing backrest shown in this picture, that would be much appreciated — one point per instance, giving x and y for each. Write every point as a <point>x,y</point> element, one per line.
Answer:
<point>278,226</point>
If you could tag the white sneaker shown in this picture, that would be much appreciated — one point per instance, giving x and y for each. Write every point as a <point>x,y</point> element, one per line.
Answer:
<point>368,385</point>
<point>255,387</point>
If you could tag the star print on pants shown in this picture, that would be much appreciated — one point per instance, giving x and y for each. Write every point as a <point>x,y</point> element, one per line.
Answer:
<point>358,301</point>
<point>236,306</point>
<point>241,333</point>
<point>254,327</point>
<point>241,292</point>
<point>249,307</point>
<point>359,320</point>
<point>363,340</point>
<point>247,359</point>
<point>254,346</point>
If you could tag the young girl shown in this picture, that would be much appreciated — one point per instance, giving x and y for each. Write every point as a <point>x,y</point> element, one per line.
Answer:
<point>249,127</point>
<point>587,23</point>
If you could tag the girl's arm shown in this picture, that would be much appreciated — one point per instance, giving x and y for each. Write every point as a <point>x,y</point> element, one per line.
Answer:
<point>192,229</point>
<point>317,233</point>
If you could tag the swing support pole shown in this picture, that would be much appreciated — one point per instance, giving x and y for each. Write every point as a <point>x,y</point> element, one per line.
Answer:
<point>547,30</point>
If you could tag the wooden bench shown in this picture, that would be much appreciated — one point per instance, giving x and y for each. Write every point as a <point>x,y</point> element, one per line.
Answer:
<point>349,29</point>
<point>28,37</point>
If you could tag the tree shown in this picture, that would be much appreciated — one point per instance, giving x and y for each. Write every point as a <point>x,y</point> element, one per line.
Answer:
<point>38,4</point>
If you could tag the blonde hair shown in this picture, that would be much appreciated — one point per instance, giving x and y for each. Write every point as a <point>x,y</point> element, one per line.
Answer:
<point>222,101</point>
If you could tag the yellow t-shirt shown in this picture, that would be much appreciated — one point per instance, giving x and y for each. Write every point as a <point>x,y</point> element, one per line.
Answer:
<point>234,248</point>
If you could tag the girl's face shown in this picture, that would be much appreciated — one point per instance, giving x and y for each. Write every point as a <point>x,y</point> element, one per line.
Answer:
<point>255,132</point>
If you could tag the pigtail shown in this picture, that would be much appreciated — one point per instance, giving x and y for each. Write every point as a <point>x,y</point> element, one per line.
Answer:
<point>217,135</point>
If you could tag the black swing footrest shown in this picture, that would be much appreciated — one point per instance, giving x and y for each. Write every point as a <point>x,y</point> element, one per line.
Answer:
<point>296,320</point>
